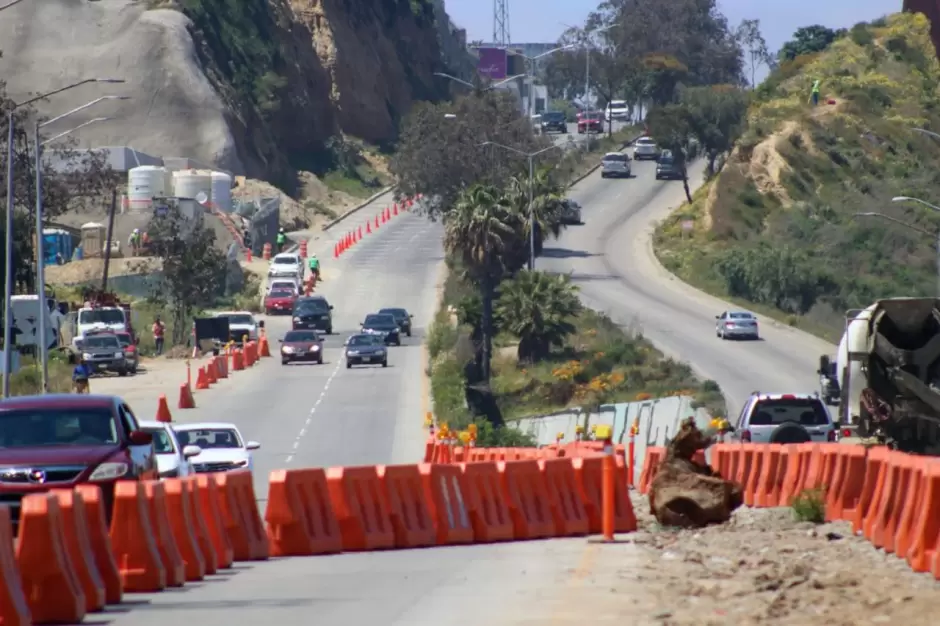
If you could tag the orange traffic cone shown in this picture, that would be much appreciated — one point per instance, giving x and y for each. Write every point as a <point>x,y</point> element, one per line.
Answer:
<point>395,209</point>
<point>359,233</point>
<point>186,398</point>
<point>202,380</point>
<point>388,213</point>
<point>163,410</point>
<point>336,251</point>
<point>368,228</point>
<point>384,219</point>
<point>411,202</point>
<point>211,372</point>
<point>263,349</point>
<point>376,221</point>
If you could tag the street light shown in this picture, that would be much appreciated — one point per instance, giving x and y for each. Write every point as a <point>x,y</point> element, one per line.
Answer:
<point>8,282</point>
<point>926,132</point>
<point>588,44</point>
<point>79,127</point>
<point>923,231</point>
<point>917,200</point>
<point>472,86</point>
<point>9,5</point>
<point>531,70</point>
<point>531,157</point>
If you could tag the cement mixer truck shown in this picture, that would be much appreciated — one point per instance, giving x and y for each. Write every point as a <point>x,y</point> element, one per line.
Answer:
<point>888,369</point>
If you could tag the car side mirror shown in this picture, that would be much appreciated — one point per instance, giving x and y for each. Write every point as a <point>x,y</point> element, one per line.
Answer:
<point>140,438</point>
<point>410,316</point>
<point>252,445</point>
<point>280,341</point>
<point>331,307</point>
<point>717,317</point>
<point>261,324</point>
<point>191,451</point>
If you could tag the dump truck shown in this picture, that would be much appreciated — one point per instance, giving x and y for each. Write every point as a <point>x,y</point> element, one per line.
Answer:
<point>888,368</point>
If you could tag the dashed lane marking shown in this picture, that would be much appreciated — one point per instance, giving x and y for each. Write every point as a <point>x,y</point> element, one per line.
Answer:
<point>303,430</point>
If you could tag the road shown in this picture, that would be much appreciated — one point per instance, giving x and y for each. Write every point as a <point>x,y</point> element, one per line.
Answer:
<point>573,138</point>
<point>611,260</point>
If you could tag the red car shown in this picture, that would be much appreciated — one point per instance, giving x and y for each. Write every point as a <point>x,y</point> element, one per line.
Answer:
<point>60,441</point>
<point>280,301</point>
<point>592,122</point>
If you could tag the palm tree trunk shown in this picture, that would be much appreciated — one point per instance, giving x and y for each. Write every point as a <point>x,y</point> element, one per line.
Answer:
<point>486,323</point>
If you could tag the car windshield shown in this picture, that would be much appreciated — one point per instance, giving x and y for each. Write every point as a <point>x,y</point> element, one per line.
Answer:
<point>283,293</point>
<point>645,141</point>
<point>618,104</point>
<point>396,313</point>
<point>28,428</point>
<point>101,341</point>
<point>209,438</point>
<point>300,336</point>
<point>101,316</point>
<point>162,443</point>
<point>312,306</point>
<point>365,340</point>
<point>615,157</point>
<point>804,411</point>
<point>553,116</point>
<point>379,320</point>
<point>285,260</point>
<point>741,316</point>
<point>665,160</point>
<point>124,339</point>
<point>240,320</point>
<point>283,284</point>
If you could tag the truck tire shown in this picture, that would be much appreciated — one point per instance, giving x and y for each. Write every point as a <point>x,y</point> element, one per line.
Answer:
<point>790,432</point>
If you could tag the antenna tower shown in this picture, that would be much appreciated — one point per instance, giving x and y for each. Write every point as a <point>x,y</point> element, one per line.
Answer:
<point>501,22</point>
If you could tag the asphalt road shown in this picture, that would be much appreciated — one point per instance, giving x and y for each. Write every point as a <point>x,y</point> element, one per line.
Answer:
<point>611,260</point>
<point>573,138</point>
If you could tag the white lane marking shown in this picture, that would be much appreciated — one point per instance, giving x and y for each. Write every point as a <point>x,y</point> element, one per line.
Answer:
<point>303,429</point>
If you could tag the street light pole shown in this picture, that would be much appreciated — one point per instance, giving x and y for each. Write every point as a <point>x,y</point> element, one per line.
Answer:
<point>531,73</point>
<point>934,236</point>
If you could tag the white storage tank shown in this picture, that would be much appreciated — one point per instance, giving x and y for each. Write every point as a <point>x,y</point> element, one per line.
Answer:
<point>222,191</point>
<point>190,183</point>
<point>144,183</point>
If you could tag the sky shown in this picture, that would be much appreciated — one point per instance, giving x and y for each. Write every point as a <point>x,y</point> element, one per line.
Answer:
<point>534,21</point>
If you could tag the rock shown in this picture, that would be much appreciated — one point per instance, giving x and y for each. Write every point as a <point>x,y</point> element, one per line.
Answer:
<point>687,494</point>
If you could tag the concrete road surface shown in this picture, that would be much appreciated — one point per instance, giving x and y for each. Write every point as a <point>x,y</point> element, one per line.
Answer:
<point>572,138</point>
<point>611,260</point>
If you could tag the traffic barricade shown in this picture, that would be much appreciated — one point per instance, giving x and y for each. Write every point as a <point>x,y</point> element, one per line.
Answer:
<point>589,473</point>
<point>132,540</point>
<point>163,534</point>
<point>567,505</point>
<point>486,504</point>
<point>361,508</point>
<point>78,548</point>
<point>208,494</point>
<point>178,504</point>
<point>299,515</point>
<point>409,513</point>
<point>100,540</point>
<point>14,609</point>
<point>444,491</point>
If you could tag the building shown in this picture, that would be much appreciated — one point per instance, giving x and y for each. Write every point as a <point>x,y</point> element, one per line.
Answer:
<point>496,63</point>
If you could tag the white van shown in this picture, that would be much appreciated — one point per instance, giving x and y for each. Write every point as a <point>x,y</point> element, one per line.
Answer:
<point>26,321</point>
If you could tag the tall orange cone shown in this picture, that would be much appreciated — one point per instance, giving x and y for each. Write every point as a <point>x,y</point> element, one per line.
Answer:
<point>384,219</point>
<point>336,251</point>
<point>360,233</point>
<point>376,221</point>
<point>186,398</point>
<point>368,228</point>
<point>263,348</point>
<point>395,209</point>
<point>202,380</point>
<point>163,410</point>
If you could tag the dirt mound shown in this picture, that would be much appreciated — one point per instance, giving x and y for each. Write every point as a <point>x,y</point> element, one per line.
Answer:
<point>687,494</point>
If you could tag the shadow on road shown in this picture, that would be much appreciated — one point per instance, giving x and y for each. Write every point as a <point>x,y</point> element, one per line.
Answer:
<point>563,253</point>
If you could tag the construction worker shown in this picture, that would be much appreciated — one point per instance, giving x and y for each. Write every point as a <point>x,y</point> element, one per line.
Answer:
<point>80,377</point>
<point>814,97</point>
<point>158,329</point>
<point>314,264</point>
<point>281,240</point>
<point>133,242</point>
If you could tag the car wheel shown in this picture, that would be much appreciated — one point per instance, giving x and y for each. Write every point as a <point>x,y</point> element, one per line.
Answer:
<point>348,365</point>
<point>285,361</point>
<point>267,311</point>
<point>123,372</point>
<point>385,363</point>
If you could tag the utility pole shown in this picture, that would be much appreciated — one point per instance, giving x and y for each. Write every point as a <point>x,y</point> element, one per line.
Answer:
<point>501,22</point>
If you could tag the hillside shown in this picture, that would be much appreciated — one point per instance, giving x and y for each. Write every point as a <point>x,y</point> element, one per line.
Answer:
<point>777,227</point>
<point>254,86</point>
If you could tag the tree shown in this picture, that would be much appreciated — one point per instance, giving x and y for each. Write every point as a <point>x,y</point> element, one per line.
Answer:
<point>716,118</point>
<point>547,205</point>
<point>670,126</point>
<point>440,153</point>
<point>539,309</point>
<point>193,269</point>
<point>755,47</point>
<point>608,75</point>
<point>563,75</point>
<point>664,74</point>
<point>809,40</point>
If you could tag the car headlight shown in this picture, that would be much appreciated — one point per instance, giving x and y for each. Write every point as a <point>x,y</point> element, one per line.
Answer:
<point>297,319</point>
<point>86,356</point>
<point>109,471</point>
<point>381,353</point>
<point>352,353</point>
<point>315,348</point>
<point>287,350</point>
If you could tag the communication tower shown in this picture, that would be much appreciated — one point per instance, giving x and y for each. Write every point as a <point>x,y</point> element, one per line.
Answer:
<point>501,22</point>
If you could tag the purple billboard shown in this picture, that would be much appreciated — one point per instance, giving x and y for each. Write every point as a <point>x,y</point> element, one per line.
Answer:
<point>492,63</point>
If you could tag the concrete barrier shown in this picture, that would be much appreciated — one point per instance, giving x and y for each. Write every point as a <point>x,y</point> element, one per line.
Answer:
<point>658,419</point>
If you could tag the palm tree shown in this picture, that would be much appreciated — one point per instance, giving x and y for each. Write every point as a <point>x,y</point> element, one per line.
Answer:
<point>539,309</point>
<point>547,204</point>
<point>482,231</point>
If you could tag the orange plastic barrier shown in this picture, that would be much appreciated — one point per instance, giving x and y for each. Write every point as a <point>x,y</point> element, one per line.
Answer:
<point>567,504</point>
<point>925,532</point>
<point>179,509</point>
<point>882,523</point>
<point>132,540</point>
<point>527,496</point>
<point>848,480</point>
<point>200,531</point>
<point>486,503</point>
<point>241,517</point>
<point>98,535</point>
<point>361,508</point>
<point>409,513</point>
<point>911,504</point>
<point>50,585</point>
<point>238,360</point>
<point>444,492</point>
<point>78,548</point>
<point>212,372</point>
<point>208,494</point>
<point>14,609</point>
<point>588,473</point>
<point>654,456</point>
<point>299,515</point>
<point>170,555</point>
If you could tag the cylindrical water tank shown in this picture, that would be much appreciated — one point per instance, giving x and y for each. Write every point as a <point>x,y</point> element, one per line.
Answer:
<point>190,183</point>
<point>144,183</point>
<point>222,191</point>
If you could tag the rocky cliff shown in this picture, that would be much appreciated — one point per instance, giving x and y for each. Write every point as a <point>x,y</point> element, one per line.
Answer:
<point>254,86</point>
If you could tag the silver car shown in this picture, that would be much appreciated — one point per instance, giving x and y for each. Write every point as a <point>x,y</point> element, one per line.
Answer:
<point>570,212</point>
<point>784,418</point>
<point>645,148</point>
<point>736,325</point>
<point>615,164</point>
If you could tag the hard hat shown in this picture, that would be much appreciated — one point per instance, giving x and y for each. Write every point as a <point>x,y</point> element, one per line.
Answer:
<point>136,231</point>
<point>313,255</point>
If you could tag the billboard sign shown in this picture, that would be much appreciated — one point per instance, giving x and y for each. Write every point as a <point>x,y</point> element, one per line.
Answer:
<point>492,63</point>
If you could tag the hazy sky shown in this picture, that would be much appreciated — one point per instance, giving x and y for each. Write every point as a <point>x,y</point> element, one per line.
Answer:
<point>539,20</point>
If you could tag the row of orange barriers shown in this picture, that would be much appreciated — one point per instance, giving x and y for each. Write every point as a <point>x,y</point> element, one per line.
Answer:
<point>316,511</point>
<point>67,562</point>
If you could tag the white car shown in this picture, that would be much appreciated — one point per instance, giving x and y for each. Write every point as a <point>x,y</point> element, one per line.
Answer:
<point>240,324</point>
<point>617,110</point>
<point>173,459</point>
<point>286,264</point>
<point>645,148</point>
<point>221,446</point>
<point>284,284</point>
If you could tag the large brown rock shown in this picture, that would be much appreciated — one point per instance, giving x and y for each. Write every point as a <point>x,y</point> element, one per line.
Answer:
<point>686,493</point>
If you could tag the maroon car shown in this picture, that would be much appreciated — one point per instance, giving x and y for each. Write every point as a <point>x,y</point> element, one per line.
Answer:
<point>591,122</point>
<point>62,440</point>
<point>280,301</point>
<point>301,345</point>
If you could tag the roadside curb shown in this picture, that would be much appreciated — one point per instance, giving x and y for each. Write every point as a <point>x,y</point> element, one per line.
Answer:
<point>359,207</point>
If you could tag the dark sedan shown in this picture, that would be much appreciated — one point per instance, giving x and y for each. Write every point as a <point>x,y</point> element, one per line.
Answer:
<point>313,313</point>
<point>301,345</point>
<point>554,120</point>
<point>366,349</point>
<point>667,168</point>
<point>402,317</point>
<point>383,325</point>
